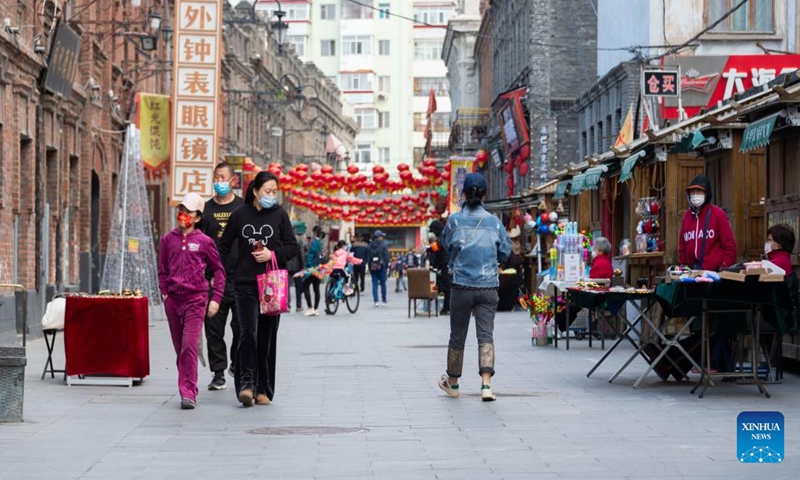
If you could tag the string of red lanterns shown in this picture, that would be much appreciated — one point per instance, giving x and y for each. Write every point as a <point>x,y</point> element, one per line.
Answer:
<point>329,195</point>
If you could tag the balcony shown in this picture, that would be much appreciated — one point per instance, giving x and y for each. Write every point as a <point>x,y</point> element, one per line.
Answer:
<point>469,129</point>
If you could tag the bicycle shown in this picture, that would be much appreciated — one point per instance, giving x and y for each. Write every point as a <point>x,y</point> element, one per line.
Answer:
<point>335,293</point>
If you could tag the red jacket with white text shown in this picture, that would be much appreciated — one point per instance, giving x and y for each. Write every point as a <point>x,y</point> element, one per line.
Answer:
<point>720,242</point>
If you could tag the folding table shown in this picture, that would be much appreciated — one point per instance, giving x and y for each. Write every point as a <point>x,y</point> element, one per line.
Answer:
<point>750,297</point>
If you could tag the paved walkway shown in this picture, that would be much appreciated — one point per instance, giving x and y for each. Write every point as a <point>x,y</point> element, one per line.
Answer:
<point>376,371</point>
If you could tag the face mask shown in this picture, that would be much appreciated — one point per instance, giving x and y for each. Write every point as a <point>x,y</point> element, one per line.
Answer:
<point>185,220</point>
<point>222,188</point>
<point>697,200</point>
<point>594,253</point>
<point>266,202</point>
<point>767,247</point>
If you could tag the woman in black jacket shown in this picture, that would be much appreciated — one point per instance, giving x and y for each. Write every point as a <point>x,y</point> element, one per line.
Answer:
<point>262,229</point>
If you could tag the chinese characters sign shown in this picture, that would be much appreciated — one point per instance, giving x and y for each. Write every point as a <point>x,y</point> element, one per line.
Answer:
<point>153,122</point>
<point>707,80</point>
<point>660,83</point>
<point>195,94</point>
<point>63,61</point>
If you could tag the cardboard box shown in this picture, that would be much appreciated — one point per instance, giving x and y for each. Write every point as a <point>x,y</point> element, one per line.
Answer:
<point>736,277</point>
<point>756,271</point>
<point>770,277</point>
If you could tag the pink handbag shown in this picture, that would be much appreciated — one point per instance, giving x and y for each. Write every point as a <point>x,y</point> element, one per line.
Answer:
<point>273,290</point>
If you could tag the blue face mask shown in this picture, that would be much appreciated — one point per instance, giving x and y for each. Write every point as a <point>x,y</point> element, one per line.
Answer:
<point>222,188</point>
<point>266,202</point>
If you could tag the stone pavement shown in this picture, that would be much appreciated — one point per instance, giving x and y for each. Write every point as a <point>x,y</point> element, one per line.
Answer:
<point>376,372</point>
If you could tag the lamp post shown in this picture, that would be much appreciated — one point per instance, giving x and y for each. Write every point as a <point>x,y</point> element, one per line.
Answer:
<point>280,28</point>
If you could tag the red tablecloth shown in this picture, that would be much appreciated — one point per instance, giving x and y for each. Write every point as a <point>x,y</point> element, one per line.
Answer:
<point>107,336</point>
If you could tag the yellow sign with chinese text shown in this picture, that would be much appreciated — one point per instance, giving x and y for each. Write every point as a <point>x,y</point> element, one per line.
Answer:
<point>154,127</point>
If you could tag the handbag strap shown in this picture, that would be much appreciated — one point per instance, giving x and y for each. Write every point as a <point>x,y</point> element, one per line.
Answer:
<point>455,257</point>
<point>705,235</point>
<point>272,263</point>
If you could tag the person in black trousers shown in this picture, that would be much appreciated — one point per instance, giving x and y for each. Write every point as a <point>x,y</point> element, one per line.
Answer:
<point>262,231</point>
<point>360,250</point>
<point>439,259</point>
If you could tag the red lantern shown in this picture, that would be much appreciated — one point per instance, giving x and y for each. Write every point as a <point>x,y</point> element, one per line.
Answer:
<point>525,152</point>
<point>402,167</point>
<point>429,162</point>
<point>523,169</point>
<point>447,167</point>
<point>481,156</point>
<point>509,167</point>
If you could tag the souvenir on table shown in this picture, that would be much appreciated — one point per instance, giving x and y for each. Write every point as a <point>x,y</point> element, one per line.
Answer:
<point>648,227</point>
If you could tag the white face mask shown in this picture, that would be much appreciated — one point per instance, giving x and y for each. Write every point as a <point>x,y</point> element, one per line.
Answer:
<point>767,247</point>
<point>595,253</point>
<point>697,200</point>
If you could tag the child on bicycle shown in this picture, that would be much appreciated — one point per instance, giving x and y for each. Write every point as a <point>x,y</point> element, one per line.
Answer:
<point>340,258</point>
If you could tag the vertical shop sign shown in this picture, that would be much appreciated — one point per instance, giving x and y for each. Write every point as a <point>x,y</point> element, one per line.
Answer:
<point>460,167</point>
<point>153,123</point>
<point>195,96</point>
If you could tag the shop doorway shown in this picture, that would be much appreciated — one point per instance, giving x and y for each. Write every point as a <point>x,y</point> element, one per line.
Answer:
<point>95,234</point>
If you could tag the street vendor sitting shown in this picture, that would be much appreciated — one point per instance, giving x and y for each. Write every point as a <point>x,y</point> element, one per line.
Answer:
<point>779,246</point>
<point>601,259</point>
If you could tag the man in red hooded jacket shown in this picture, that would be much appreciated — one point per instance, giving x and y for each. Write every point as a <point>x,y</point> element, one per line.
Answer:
<point>704,221</point>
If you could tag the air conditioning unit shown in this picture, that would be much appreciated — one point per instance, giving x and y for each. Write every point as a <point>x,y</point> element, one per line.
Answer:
<point>382,96</point>
<point>277,131</point>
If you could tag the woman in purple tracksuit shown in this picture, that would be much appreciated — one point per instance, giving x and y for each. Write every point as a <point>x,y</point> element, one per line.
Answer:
<point>184,255</point>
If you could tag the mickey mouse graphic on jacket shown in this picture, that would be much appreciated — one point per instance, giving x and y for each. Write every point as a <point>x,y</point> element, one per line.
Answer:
<point>261,229</point>
<point>706,241</point>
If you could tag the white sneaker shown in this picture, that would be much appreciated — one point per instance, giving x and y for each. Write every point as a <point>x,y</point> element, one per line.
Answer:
<point>377,304</point>
<point>309,312</point>
<point>384,304</point>
<point>316,313</point>
<point>487,395</point>
<point>450,390</point>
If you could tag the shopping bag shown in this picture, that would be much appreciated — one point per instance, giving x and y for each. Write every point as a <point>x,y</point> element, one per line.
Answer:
<point>273,290</point>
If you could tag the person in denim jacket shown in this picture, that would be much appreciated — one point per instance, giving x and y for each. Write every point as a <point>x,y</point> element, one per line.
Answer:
<point>477,241</point>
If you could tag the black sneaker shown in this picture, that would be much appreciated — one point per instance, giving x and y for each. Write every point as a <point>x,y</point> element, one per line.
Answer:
<point>187,404</point>
<point>218,383</point>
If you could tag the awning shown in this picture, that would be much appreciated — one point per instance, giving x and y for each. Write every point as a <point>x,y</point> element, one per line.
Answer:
<point>757,134</point>
<point>591,179</point>
<point>627,166</point>
<point>689,142</point>
<point>333,145</point>
<point>577,184</point>
<point>561,190</point>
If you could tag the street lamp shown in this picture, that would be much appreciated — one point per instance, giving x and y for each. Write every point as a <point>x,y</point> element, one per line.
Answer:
<point>280,28</point>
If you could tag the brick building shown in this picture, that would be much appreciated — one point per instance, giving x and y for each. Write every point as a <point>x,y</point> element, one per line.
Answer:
<point>60,152</point>
<point>545,49</point>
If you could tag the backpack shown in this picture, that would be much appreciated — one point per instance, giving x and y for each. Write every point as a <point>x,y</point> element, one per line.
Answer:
<point>375,262</point>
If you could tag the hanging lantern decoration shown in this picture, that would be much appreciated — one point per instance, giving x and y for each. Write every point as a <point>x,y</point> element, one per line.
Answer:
<point>481,157</point>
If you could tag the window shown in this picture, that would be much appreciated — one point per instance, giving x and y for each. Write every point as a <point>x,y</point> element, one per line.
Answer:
<point>383,47</point>
<point>327,12</point>
<point>439,85</point>
<point>440,121</point>
<point>298,42</point>
<point>383,120</point>
<point>296,11</point>
<point>328,48</point>
<point>365,118</point>
<point>428,49</point>
<point>754,16</point>
<point>433,15</point>
<point>352,11</point>
<point>357,45</point>
<point>356,81</point>
<point>385,83</point>
<point>383,155</point>
<point>363,153</point>
<point>384,10</point>
<point>359,98</point>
